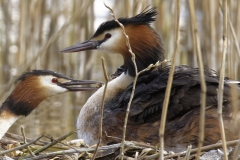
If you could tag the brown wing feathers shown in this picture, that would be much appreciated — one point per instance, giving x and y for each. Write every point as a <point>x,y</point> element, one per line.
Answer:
<point>185,95</point>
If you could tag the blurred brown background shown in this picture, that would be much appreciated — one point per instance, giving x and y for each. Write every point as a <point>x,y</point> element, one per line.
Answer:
<point>33,32</point>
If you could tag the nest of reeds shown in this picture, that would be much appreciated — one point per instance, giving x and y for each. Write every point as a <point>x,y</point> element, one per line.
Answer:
<point>21,147</point>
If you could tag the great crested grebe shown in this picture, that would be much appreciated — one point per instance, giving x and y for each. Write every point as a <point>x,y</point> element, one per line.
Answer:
<point>182,125</point>
<point>31,89</point>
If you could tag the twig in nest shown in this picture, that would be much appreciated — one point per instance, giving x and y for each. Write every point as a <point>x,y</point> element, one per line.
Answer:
<point>235,153</point>
<point>188,152</point>
<point>53,143</point>
<point>145,152</point>
<point>63,146</point>
<point>102,107</point>
<point>20,138</point>
<point>81,150</point>
<point>6,141</point>
<point>135,78</point>
<point>169,86</point>
<point>25,142</point>
<point>205,148</point>
<point>112,136</point>
<point>20,147</point>
<point>202,76</point>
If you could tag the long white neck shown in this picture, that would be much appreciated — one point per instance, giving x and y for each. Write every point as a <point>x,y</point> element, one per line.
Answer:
<point>88,119</point>
<point>6,121</point>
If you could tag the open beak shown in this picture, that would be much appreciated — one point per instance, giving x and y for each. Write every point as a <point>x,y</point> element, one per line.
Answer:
<point>87,45</point>
<point>76,85</point>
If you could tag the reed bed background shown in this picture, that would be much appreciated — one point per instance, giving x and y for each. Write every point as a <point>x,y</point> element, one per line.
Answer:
<point>33,32</point>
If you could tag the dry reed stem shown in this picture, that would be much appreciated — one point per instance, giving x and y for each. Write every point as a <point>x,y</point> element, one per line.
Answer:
<point>44,48</point>
<point>128,144</point>
<point>212,34</point>
<point>20,147</point>
<point>61,145</point>
<point>235,38</point>
<point>134,82</point>
<point>169,86</point>
<point>232,31</point>
<point>20,138</point>
<point>202,76</point>
<point>102,107</point>
<point>236,152</point>
<point>205,148</point>
<point>144,153</point>
<point>154,65</point>
<point>188,152</point>
<point>25,142</point>
<point>70,151</point>
<point>111,136</point>
<point>237,147</point>
<point>53,143</point>
<point>6,141</point>
<point>221,80</point>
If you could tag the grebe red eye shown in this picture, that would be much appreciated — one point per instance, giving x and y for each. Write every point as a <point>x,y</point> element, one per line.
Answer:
<point>54,80</point>
<point>107,35</point>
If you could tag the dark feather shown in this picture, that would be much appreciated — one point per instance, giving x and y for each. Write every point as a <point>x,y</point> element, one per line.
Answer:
<point>18,108</point>
<point>185,96</point>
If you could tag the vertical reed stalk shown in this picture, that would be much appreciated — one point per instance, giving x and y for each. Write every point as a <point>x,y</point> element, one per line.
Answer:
<point>202,77</point>
<point>221,80</point>
<point>169,84</point>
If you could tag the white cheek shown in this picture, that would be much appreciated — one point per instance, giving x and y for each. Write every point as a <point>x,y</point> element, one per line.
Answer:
<point>54,90</point>
<point>51,89</point>
<point>111,43</point>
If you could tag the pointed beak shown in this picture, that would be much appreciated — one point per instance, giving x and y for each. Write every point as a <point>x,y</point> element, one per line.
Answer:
<point>77,85</point>
<point>87,45</point>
